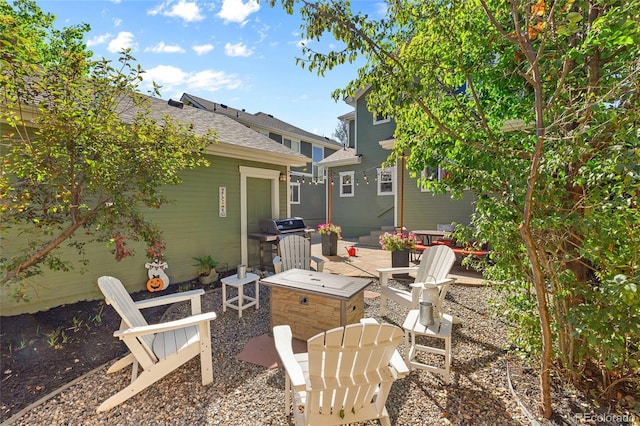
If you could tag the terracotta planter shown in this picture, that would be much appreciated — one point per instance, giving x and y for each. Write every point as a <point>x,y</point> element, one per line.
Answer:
<point>400,259</point>
<point>329,244</point>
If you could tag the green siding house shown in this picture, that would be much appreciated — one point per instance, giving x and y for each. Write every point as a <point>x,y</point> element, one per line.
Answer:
<point>366,197</point>
<point>213,211</point>
<point>307,183</point>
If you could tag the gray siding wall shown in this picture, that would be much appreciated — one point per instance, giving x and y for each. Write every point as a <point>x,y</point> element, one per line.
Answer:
<point>352,134</point>
<point>366,211</point>
<point>424,210</point>
<point>312,204</point>
<point>191,227</point>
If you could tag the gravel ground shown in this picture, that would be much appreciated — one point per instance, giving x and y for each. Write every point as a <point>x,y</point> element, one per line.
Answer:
<point>247,394</point>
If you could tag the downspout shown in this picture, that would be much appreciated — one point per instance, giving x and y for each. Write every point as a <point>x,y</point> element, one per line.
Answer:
<point>402,194</point>
<point>330,201</point>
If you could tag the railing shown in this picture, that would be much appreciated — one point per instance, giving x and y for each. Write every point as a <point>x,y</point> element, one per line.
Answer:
<point>385,211</point>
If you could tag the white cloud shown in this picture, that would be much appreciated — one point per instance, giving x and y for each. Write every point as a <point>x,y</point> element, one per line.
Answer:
<point>303,43</point>
<point>381,9</point>
<point>165,75</point>
<point>124,40</point>
<point>117,22</point>
<point>175,80</point>
<point>238,49</point>
<point>237,10</point>
<point>263,32</point>
<point>212,80</point>
<point>99,39</point>
<point>201,49</point>
<point>183,9</point>
<point>302,99</point>
<point>164,48</point>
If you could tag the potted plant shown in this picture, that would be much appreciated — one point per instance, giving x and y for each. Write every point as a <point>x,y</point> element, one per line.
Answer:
<point>330,235</point>
<point>206,269</point>
<point>400,245</point>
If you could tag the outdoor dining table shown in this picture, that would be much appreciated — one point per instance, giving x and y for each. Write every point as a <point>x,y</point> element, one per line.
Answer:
<point>311,302</point>
<point>426,235</point>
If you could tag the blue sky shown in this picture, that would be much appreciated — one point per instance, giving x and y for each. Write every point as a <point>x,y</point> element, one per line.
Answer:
<point>237,52</point>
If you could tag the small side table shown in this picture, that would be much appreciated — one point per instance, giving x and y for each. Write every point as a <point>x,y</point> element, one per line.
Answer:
<point>441,329</point>
<point>238,302</point>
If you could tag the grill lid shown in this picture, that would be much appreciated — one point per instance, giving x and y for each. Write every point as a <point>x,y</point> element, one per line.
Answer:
<point>282,226</point>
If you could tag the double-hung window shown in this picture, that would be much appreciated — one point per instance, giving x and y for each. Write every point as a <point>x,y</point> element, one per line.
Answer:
<point>379,119</point>
<point>431,173</point>
<point>318,171</point>
<point>385,181</point>
<point>294,190</point>
<point>346,184</point>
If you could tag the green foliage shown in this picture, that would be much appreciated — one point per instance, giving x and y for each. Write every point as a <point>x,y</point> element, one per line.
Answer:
<point>205,264</point>
<point>83,152</point>
<point>97,318</point>
<point>77,324</point>
<point>534,108</point>
<point>53,338</point>
<point>607,325</point>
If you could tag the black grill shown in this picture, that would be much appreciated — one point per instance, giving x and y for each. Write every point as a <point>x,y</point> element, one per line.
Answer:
<point>292,225</point>
<point>271,230</point>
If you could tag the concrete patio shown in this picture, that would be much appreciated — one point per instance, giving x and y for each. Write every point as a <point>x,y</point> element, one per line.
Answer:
<point>369,258</point>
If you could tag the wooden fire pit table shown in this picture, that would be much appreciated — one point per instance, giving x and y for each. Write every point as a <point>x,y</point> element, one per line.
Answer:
<point>312,302</point>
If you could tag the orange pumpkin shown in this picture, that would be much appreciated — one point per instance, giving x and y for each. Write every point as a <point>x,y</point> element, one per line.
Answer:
<point>155,284</point>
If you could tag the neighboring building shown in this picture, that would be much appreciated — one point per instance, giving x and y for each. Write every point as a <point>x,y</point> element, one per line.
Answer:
<point>366,197</point>
<point>307,184</point>
<point>212,212</point>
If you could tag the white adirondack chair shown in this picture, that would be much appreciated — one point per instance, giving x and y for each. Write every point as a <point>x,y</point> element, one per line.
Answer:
<point>161,348</point>
<point>345,377</point>
<point>431,277</point>
<point>295,252</point>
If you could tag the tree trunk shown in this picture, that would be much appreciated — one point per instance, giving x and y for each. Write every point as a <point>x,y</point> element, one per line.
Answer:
<point>535,80</point>
<point>545,323</point>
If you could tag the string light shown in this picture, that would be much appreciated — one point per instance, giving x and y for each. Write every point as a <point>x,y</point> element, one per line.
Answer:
<point>316,180</point>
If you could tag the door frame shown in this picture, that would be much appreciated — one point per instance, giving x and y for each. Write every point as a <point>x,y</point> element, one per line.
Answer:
<point>253,172</point>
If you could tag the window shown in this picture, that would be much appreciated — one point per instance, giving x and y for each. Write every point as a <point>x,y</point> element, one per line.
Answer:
<point>430,173</point>
<point>295,146</point>
<point>346,184</point>
<point>378,118</point>
<point>385,181</point>
<point>294,190</point>
<point>318,171</point>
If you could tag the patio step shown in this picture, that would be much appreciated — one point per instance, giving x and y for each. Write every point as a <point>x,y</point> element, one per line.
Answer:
<point>373,239</point>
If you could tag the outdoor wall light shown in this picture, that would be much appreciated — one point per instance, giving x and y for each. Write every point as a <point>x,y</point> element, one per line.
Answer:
<point>283,177</point>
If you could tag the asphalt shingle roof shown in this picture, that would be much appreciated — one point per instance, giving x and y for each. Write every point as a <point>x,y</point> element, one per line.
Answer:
<point>340,155</point>
<point>228,130</point>
<point>259,119</point>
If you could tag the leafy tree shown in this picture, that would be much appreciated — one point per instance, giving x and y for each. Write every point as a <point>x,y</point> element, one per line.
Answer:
<point>533,106</point>
<point>82,153</point>
<point>341,133</point>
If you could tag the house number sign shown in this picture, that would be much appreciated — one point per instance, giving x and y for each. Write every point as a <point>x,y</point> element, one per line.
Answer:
<point>222,201</point>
